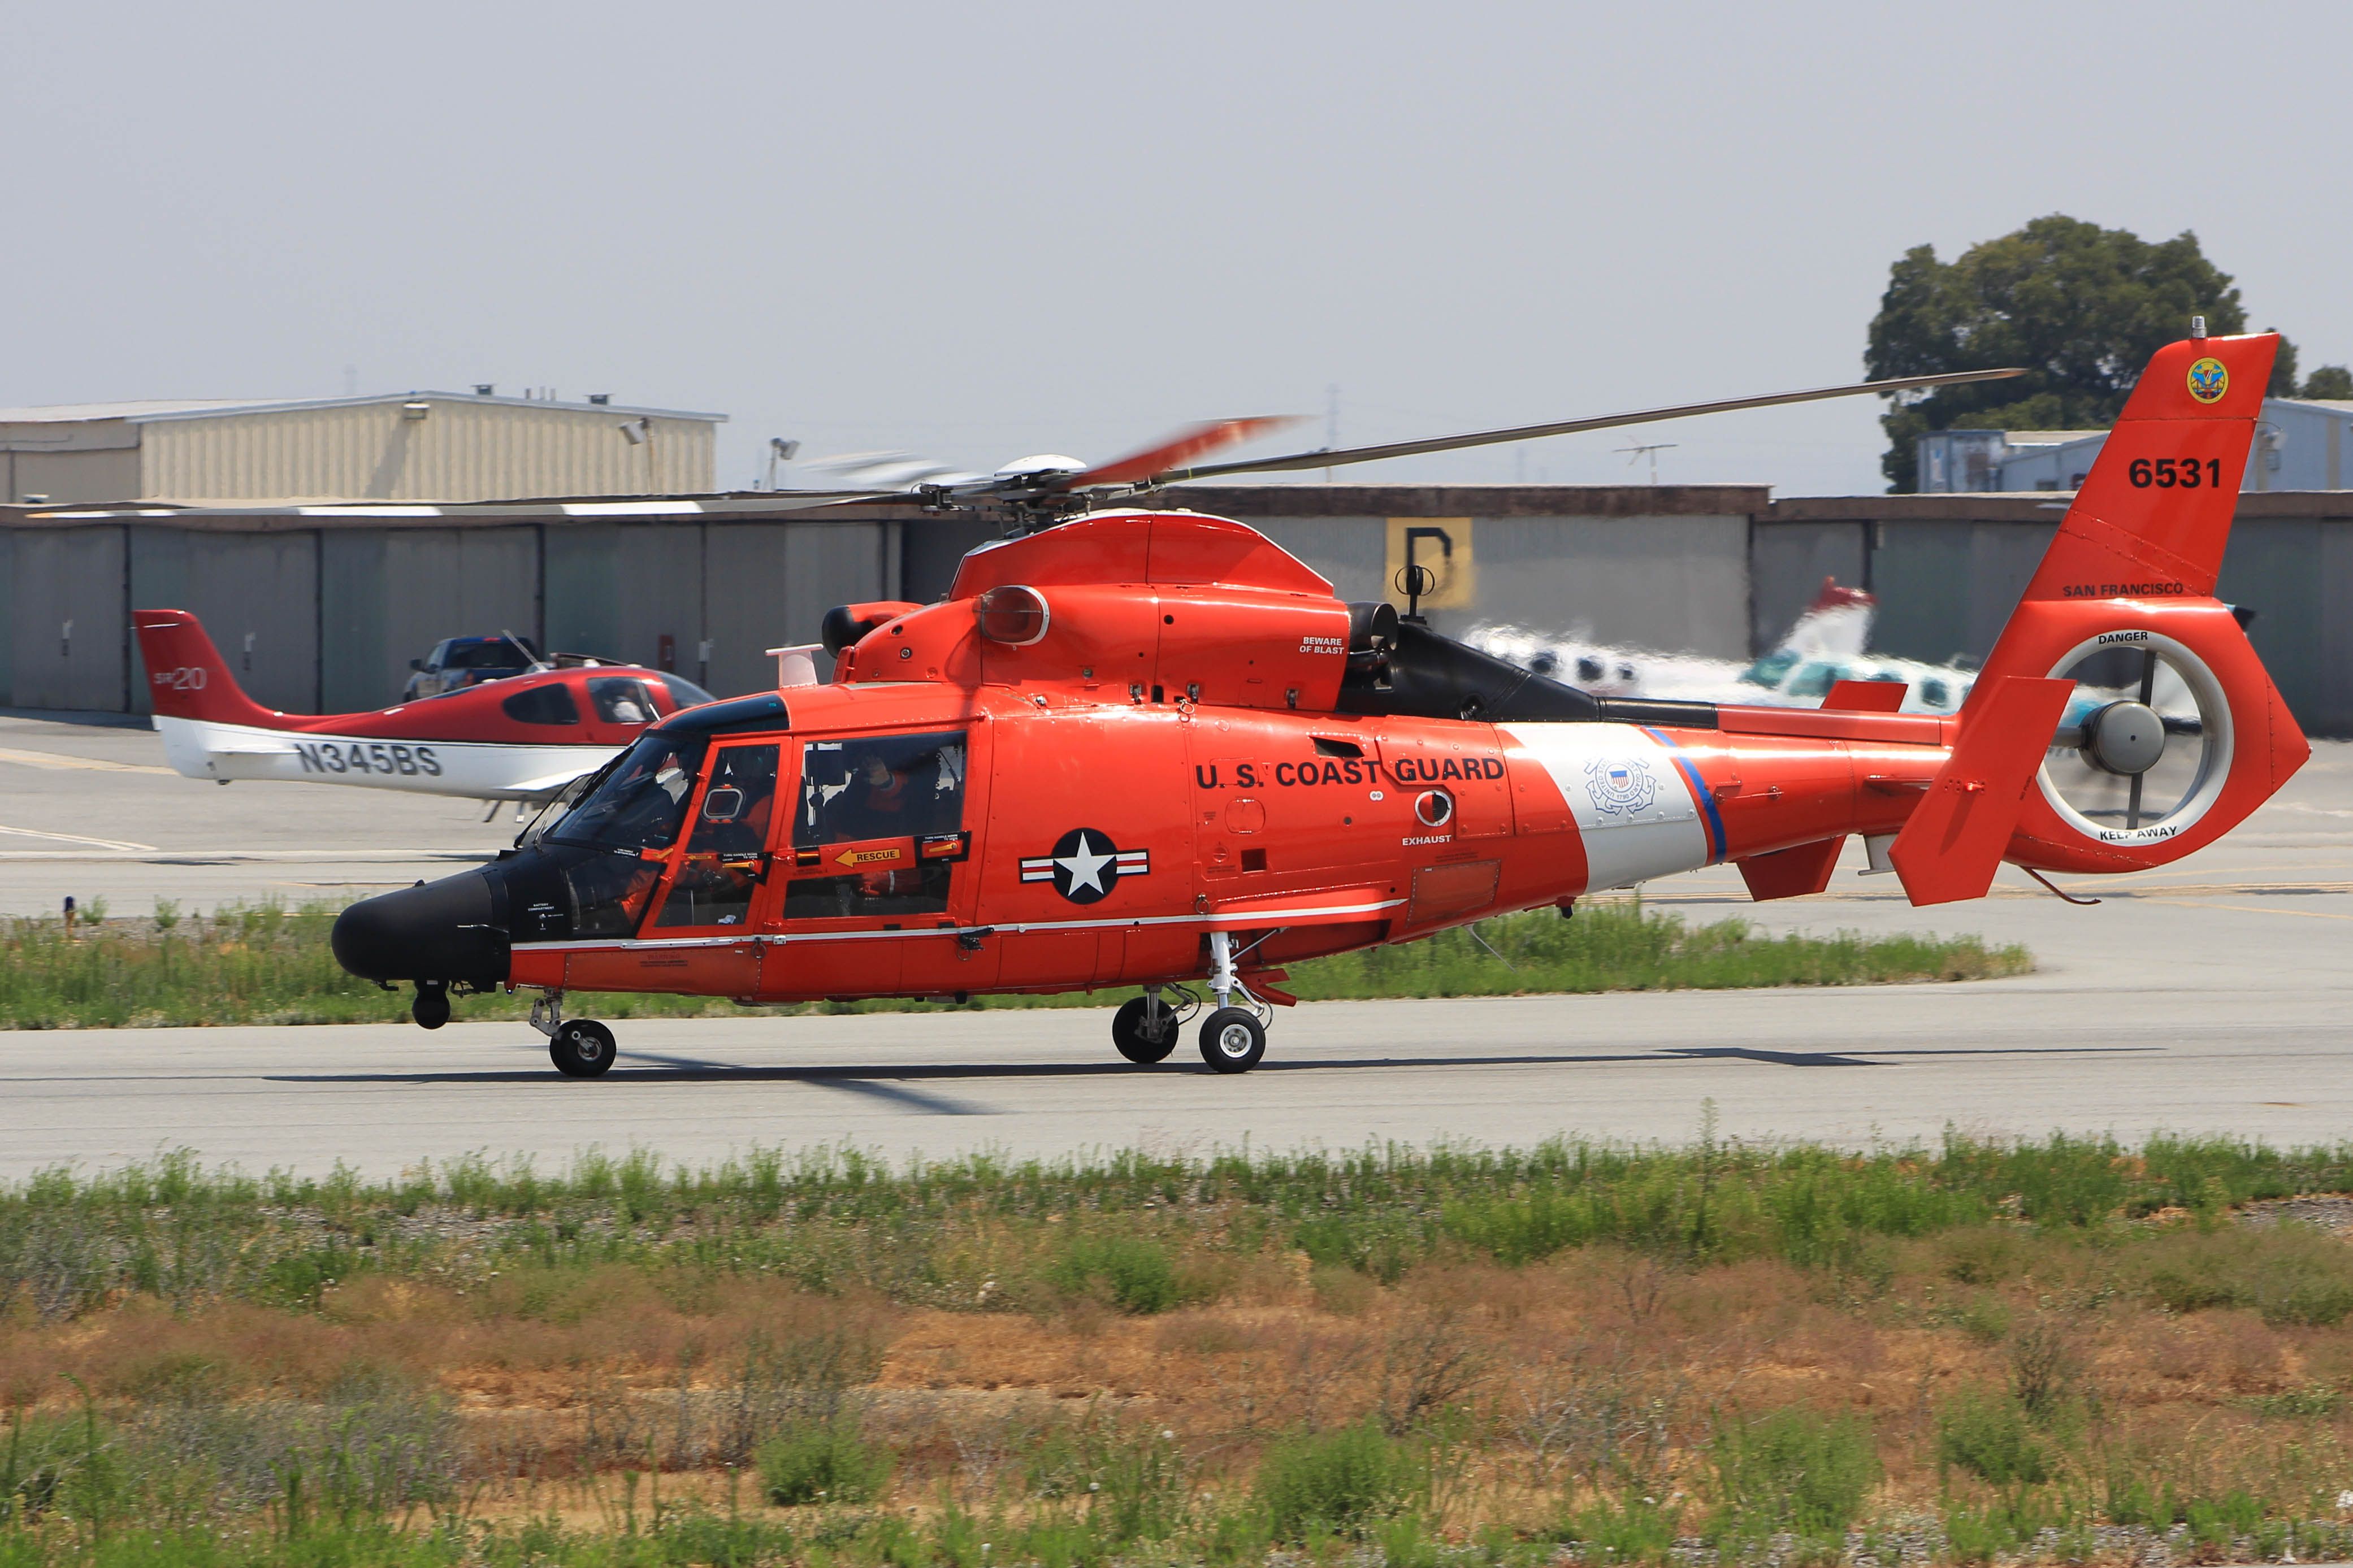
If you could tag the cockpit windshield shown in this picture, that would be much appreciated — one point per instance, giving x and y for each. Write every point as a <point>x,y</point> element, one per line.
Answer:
<point>641,804</point>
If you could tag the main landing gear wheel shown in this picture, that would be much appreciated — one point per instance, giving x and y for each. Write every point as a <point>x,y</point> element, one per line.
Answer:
<point>581,1047</point>
<point>1132,1030</point>
<point>1232,1039</point>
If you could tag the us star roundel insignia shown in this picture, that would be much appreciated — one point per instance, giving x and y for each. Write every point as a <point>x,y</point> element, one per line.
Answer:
<point>1086,865</point>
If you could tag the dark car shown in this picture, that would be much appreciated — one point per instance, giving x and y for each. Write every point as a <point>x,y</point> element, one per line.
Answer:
<point>457,662</point>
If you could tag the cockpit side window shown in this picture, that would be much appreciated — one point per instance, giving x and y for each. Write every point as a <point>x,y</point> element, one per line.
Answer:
<point>618,699</point>
<point>641,805</point>
<point>727,853</point>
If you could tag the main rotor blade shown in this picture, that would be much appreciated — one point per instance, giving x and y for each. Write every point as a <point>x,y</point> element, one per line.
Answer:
<point>1328,459</point>
<point>1186,445</point>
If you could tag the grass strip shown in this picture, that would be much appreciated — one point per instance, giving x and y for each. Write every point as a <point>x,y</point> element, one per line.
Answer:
<point>1717,1355</point>
<point>267,964</point>
<point>1147,1232</point>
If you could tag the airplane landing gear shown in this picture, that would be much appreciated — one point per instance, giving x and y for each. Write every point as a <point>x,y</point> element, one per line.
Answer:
<point>431,1008</point>
<point>1144,1028</point>
<point>580,1048</point>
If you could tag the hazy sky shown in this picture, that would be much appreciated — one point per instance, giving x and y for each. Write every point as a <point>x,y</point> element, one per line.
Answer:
<point>981,231</point>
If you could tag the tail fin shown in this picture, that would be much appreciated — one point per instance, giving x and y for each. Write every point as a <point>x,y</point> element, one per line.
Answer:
<point>187,676</point>
<point>2130,578</point>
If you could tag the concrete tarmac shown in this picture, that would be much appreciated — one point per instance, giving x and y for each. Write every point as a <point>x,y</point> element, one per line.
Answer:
<point>2210,998</point>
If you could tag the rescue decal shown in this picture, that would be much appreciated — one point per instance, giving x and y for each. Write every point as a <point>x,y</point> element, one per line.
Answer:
<point>1086,865</point>
<point>869,857</point>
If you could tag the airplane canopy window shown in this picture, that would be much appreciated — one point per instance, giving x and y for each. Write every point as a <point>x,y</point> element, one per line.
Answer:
<point>880,786</point>
<point>495,654</point>
<point>548,704</point>
<point>619,699</point>
<point>686,693</point>
<point>641,803</point>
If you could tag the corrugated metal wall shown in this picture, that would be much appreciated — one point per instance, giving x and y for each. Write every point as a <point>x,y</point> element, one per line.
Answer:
<point>337,612</point>
<point>459,451</point>
<point>257,595</point>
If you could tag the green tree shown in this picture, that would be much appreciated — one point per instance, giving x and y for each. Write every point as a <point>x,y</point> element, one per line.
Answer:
<point>2079,306</point>
<point>2328,381</point>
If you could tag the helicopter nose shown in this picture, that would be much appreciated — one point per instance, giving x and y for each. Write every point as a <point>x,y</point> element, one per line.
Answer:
<point>446,930</point>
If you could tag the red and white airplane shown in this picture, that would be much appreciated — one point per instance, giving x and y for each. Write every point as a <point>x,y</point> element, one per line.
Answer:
<point>521,739</point>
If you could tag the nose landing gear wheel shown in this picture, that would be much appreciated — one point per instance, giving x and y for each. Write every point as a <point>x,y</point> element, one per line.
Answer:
<point>581,1047</point>
<point>1132,1031</point>
<point>1232,1041</point>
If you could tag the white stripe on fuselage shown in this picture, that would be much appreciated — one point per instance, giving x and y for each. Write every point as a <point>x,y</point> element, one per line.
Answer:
<point>1630,804</point>
<point>478,770</point>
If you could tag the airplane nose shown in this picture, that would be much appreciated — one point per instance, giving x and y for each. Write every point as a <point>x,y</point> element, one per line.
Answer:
<point>449,930</point>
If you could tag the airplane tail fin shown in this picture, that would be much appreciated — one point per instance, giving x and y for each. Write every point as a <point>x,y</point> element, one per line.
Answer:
<point>2174,732</point>
<point>187,676</point>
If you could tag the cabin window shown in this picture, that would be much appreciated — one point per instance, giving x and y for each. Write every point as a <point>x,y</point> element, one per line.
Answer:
<point>880,786</point>
<point>548,704</point>
<point>726,854</point>
<point>641,804</point>
<point>877,825</point>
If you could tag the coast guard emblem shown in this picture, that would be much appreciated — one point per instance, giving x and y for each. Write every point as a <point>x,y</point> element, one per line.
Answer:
<point>1620,785</point>
<point>2209,380</point>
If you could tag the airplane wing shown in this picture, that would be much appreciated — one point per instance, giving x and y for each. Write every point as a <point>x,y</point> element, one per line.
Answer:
<point>549,783</point>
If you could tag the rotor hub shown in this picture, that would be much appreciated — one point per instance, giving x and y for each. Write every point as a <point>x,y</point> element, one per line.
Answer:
<point>2124,738</point>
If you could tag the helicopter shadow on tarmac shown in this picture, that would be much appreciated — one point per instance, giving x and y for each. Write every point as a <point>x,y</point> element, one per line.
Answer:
<point>890,1083</point>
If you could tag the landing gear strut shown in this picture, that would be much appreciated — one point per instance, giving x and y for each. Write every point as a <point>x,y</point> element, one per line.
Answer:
<point>580,1048</point>
<point>1233,1039</point>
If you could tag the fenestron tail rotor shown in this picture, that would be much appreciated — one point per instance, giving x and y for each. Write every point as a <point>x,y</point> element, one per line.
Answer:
<point>2146,729</point>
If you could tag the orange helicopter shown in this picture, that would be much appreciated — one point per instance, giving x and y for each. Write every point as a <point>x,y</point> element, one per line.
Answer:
<point>1149,748</point>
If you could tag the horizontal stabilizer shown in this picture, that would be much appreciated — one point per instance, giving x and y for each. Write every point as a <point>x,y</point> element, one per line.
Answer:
<point>1954,842</point>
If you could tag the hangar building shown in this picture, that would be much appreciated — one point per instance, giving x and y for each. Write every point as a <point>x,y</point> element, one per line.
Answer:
<point>320,607</point>
<point>2301,444</point>
<point>413,446</point>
